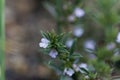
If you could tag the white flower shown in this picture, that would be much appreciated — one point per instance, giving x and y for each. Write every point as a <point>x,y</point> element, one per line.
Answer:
<point>69,43</point>
<point>76,67</point>
<point>53,53</point>
<point>86,77</point>
<point>90,44</point>
<point>118,38</point>
<point>44,43</point>
<point>78,12</point>
<point>83,65</point>
<point>71,18</point>
<point>78,31</point>
<point>110,46</point>
<point>69,71</point>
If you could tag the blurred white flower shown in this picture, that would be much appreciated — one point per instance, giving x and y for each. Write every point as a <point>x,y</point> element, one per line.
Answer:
<point>118,38</point>
<point>44,43</point>
<point>110,46</point>
<point>78,31</point>
<point>69,71</point>
<point>89,44</point>
<point>83,65</point>
<point>53,53</point>
<point>87,77</point>
<point>71,18</point>
<point>76,67</point>
<point>69,43</point>
<point>116,52</point>
<point>78,12</point>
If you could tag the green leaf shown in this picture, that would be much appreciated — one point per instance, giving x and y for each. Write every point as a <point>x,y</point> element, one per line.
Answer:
<point>63,77</point>
<point>85,70</point>
<point>45,35</point>
<point>65,37</point>
<point>78,55</point>
<point>60,37</point>
<point>72,49</point>
<point>45,51</point>
<point>90,50</point>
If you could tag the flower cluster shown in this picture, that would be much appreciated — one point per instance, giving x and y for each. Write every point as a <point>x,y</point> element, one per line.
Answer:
<point>69,71</point>
<point>76,68</point>
<point>56,48</point>
<point>94,36</point>
<point>44,44</point>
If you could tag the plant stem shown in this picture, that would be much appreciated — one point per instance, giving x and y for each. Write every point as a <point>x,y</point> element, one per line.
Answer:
<point>59,15</point>
<point>2,41</point>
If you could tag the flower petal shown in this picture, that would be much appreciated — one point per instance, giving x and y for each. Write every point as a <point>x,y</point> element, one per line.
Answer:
<point>78,31</point>
<point>69,43</point>
<point>53,53</point>
<point>118,38</point>
<point>90,44</point>
<point>69,71</point>
<point>43,45</point>
<point>78,12</point>
<point>44,40</point>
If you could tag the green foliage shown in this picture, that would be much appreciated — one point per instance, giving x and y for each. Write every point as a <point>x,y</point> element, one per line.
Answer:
<point>101,68</point>
<point>100,23</point>
<point>104,54</point>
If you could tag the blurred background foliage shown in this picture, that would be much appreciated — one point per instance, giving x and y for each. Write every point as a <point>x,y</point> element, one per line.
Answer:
<point>26,18</point>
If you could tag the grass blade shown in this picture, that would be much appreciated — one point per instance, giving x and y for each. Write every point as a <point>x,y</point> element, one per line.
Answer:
<point>2,41</point>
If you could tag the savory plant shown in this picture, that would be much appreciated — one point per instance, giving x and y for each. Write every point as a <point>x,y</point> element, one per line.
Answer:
<point>90,51</point>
